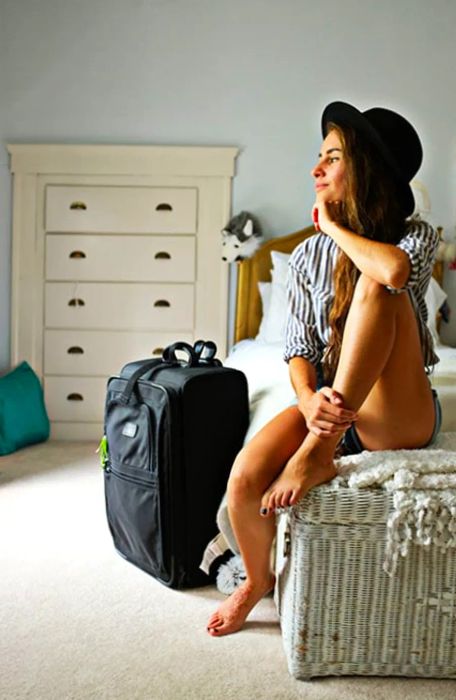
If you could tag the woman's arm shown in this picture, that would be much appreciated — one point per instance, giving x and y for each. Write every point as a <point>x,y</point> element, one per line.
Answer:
<point>303,377</point>
<point>323,410</point>
<point>301,336</point>
<point>383,262</point>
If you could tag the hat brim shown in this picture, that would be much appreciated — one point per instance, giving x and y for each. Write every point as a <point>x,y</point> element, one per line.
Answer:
<point>344,114</point>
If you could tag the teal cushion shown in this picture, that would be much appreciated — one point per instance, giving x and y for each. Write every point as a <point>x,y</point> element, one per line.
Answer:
<point>23,417</point>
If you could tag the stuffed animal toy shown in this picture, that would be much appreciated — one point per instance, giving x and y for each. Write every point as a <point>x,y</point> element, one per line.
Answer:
<point>230,575</point>
<point>240,237</point>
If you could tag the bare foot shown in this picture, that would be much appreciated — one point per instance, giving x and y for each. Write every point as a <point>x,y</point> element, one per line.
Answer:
<point>298,477</point>
<point>233,612</point>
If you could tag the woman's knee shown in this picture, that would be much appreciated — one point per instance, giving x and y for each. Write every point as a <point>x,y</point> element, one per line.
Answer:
<point>371,293</point>
<point>264,456</point>
<point>244,481</point>
<point>366,287</point>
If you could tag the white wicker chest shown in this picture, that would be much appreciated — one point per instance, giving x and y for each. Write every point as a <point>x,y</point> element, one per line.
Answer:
<point>341,614</point>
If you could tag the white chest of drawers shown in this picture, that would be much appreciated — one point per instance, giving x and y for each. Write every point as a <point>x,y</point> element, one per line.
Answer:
<point>116,253</point>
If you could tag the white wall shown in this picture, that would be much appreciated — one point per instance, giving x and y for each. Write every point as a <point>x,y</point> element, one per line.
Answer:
<point>250,73</point>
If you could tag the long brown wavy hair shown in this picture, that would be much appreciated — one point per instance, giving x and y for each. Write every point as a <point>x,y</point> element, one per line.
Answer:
<point>371,209</point>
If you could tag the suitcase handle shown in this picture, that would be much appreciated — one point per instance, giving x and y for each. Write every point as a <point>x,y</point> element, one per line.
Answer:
<point>202,353</point>
<point>206,351</point>
<point>169,354</point>
<point>169,360</point>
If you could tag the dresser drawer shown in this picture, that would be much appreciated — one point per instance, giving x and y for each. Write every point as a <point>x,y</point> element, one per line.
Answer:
<point>122,306</point>
<point>101,353</point>
<point>75,398</point>
<point>120,258</point>
<point>100,209</point>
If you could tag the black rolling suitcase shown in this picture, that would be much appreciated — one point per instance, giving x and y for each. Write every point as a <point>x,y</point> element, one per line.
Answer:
<point>172,430</point>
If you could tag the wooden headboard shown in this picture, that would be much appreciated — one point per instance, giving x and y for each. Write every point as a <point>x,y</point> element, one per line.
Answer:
<point>258,269</point>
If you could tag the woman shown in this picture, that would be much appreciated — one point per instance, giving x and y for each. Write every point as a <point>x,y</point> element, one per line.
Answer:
<point>357,316</point>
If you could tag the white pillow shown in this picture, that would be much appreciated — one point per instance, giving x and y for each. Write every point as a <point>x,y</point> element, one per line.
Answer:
<point>434,298</point>
<point>265,289</point>
<point>276,321</point>
<point>279,271</point>
<point>274,301</point>
<point>273,322</point>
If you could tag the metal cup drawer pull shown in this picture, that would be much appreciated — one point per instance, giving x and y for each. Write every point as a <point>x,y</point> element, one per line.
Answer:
<point>81,206</point>
<point>157,351</point>
<point>77,255</point>
<point>75,350</point>
<point>75,397</point>
<point>162,302</point>
<point>162,255</point>
<point>76,302</point>
<point>163,207</point>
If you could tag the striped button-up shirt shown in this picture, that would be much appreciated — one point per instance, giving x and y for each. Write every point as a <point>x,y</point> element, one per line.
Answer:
<point>311,290</point>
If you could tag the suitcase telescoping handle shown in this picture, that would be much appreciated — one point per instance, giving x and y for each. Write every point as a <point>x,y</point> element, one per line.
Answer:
<point>169,355</point>
<point>206,351</point>
<point>202,353</point>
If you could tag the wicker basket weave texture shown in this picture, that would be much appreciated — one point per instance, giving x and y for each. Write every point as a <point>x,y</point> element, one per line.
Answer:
<point>341,614</point>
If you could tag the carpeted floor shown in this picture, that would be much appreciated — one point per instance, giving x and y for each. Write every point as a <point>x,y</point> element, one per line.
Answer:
<point>78,622</point>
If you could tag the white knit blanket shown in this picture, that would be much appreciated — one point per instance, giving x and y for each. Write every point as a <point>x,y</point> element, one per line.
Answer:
<point>423,484</point>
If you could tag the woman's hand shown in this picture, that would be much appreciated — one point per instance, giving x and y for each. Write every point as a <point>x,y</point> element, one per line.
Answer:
<point>325,414</point>
<point>325,213</point>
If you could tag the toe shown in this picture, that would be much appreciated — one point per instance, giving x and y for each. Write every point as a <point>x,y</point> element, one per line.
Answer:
<point>223,628</point>
<point>294,498</point>
<point>218,628</point>
<point>274,501</point>
<point>214,621</point>
<point>284,501</point>
<point>278,498</point>
<point>264,505</point>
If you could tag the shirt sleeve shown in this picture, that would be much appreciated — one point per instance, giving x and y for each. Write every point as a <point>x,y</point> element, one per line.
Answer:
<point>420,243</point>
<point>301,338</point>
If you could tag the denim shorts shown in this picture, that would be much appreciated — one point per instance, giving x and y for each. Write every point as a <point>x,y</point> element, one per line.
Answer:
<point>352,445</point>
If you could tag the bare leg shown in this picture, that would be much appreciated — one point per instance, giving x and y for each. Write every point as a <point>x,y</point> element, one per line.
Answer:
<point>381,376</point>
<point>256,466</point>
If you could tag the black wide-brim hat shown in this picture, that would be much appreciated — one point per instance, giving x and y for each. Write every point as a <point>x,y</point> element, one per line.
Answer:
<point>392,135</point>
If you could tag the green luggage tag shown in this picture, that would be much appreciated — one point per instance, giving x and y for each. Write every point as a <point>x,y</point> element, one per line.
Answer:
<point>103,452</point>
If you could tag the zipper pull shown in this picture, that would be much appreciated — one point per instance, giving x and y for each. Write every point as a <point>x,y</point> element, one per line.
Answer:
<point>103,452</point>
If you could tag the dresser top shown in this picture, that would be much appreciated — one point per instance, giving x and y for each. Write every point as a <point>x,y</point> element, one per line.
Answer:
<point>104,159</point>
